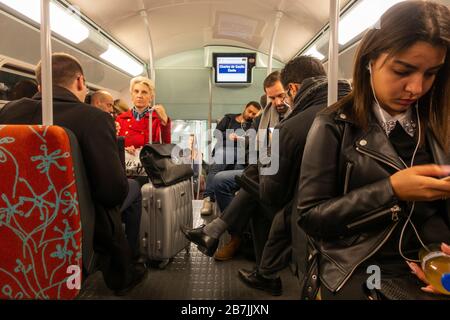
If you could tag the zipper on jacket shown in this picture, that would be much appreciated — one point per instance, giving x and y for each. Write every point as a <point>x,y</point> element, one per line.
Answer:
<point>391,164</point>
<point>368,257</point>
<point>394,211</point>
<point>394,216</point>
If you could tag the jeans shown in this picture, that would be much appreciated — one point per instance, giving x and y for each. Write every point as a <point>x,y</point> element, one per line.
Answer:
<point>225,187</point>
<point>214,169</point>
<point>219,165</point>
<point>131,215</point>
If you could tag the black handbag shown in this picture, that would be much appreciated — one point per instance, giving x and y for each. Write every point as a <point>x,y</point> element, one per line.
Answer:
<point>162,167</point>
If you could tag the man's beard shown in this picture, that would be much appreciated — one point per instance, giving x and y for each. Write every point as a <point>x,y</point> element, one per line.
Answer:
<point>282,109</point>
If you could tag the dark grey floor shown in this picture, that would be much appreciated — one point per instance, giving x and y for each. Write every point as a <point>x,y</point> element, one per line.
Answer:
<point>194,276</point>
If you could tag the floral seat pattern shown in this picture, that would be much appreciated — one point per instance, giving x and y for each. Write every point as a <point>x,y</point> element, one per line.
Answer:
<point>40,227</point>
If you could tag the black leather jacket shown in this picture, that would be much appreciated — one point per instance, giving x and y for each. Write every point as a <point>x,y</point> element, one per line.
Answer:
<point>346,202</point>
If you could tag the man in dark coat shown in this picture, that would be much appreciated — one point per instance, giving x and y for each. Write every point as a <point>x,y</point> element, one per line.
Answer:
<point>96,135</point>
<point>278,190</point>
<point>261,207</point>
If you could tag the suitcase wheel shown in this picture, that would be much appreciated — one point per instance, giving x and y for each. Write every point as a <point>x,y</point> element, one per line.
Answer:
<point>159,264</point>
<point>163,264</point>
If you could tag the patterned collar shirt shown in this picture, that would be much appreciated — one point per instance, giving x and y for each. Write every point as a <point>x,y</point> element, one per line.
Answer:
<point>388,122</point>
<point>138,116</point>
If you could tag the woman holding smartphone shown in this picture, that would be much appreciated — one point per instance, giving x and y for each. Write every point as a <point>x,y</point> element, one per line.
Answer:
<point>371,189</point>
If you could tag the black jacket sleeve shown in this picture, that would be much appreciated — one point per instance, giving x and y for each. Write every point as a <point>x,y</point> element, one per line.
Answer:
<point>278,189</point>
<point>323,211</point>
<point>109,184</point>
<point>224,124</point>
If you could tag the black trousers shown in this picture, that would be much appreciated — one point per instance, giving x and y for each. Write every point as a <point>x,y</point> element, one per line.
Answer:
<point>245,209</point>
<point>277,252</point>
<point>239,212</point>
<point>131,215</point>
<point>113,254</point>
<point>116,252</point>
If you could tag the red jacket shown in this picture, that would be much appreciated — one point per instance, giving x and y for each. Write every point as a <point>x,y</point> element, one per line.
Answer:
<point>136,132</point>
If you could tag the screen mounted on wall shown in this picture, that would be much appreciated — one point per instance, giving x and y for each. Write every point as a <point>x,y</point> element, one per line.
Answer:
<point>233,68</point>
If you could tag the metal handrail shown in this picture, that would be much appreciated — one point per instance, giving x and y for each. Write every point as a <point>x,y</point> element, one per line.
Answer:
<point>333,64</point>
<point>272,42</point>
<point>46,65</point>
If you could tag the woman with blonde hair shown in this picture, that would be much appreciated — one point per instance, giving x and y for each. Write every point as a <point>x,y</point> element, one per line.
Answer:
<point>134,124</point>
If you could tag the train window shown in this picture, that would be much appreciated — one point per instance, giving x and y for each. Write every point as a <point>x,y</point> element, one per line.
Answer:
<point>12,78</point>
<point>16,82</point>
<point>183,129</point>
<point>4,90</point>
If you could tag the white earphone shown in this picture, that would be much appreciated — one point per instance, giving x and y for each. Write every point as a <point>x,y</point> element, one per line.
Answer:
<point>369,67</point>
<point>408,220</point>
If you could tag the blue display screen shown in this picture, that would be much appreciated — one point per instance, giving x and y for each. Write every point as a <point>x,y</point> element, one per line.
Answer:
<point>232,69</point>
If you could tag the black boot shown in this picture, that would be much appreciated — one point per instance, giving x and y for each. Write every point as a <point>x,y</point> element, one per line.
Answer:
<point>139,274</point>
<point>253,279</point>
<point>205,244</point>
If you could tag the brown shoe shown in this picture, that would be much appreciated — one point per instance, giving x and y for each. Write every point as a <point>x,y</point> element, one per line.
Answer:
<point>207,207</point>
<point>228,251</point>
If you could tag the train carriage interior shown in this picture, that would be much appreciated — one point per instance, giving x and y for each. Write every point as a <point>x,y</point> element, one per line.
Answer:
<point>176,44</point>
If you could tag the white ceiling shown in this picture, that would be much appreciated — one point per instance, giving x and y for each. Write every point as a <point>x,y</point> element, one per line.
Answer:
<point>181,25</point>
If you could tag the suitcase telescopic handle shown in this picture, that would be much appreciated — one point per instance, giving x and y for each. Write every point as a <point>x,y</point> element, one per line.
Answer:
<point>150,125</point>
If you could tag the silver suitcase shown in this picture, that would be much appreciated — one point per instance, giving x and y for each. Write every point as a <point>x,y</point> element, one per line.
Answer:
<point>164,211</point>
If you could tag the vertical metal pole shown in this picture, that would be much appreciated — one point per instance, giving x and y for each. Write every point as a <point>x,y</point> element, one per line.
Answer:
<point>46,65</point>
<point>150,66</point>
<point>200,162</point>
<point>150,126</point>
<point>210,136</point>
<point>333,62</point>
<point>272,42</point>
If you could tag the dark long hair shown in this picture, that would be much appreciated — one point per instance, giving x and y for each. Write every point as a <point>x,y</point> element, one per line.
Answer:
<point>400,28</point>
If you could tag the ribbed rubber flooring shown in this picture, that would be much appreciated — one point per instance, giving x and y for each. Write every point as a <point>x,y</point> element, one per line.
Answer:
<point>194,276</point>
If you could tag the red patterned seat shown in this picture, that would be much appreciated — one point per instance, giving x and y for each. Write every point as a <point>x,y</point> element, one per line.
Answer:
<point>40,224</point>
